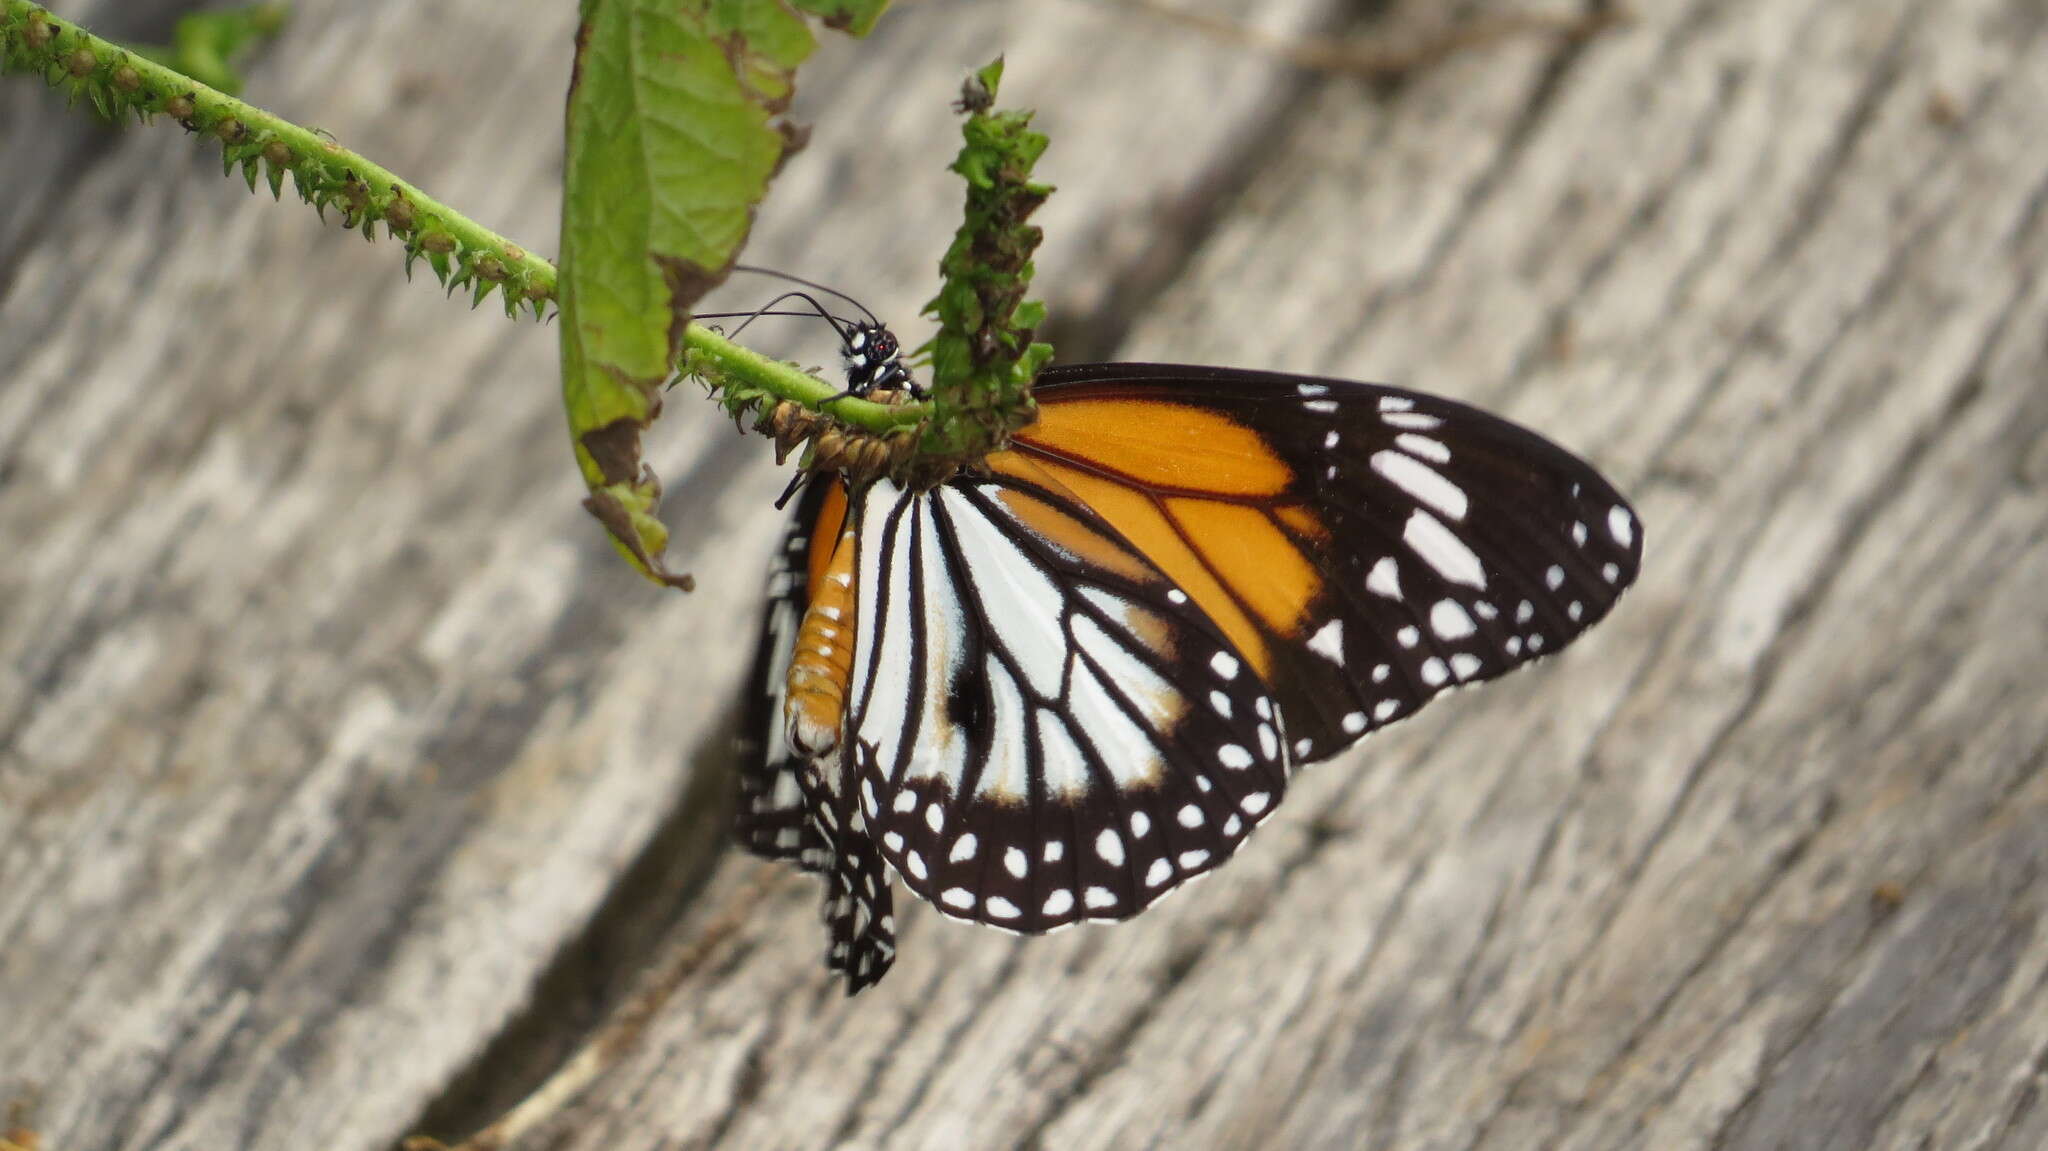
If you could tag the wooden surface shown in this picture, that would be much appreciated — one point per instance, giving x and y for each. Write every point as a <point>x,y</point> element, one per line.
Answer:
<point>346,778</point>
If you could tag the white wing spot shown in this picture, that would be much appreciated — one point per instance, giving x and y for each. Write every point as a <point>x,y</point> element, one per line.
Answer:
<point>1535,643</point>
<point>1423,447</point>
<point>867,795</point>
<point>1099,897</point>
<point>1442,550</point>
<point>1059,902</point>
<point>1269,741</point>
<point>1385,579</point>
<point>1015,862</point>
<point>916,864</point>
<point>1325,407</point>
<point>1233,825</point>
<point>1422,482</point>
<point>1413,421</point>
<point>1140,824</point>
<point>1001,908</point>
<point>1434,673</point>
<point>1110,846</point>
<point>1054,850</point>
<point>1553,577</point>
<point>1189,860</point>
<point>1328,642</point>
<point>1301,748</point>
<point>1380,673</point>
<point>1523,611</point>
<point>1354,723</point>
<point>1395,404</point>
<point>963,848</point>
<point>1464,665</point>
<point>1330,440</point>
<point>1579,533</point>
<point>1621,526</point>
<point>892,840</point>
<point>1221,703</point>
<point>1190,816</point>
<point>1264,707</point>
<point>1408,637</point>
<point>1202,783</point>
<point>1311,391</point>
<point>1610,572</point>
<point>1224,664</point>
<point>958,897</point>
<point>1255,802</point>
<point>1514,645</point>
<point>1576,610</point>
<point>1176,596</point>
<point>1233,756</point>
<point>1385,709</point>
<point>934,818</point>
<point>905,803</point>
<point>1158,873</point>
<point>1449,621</point>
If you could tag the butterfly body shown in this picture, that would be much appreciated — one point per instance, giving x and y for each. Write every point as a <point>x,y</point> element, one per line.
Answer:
<point>1081,675</point>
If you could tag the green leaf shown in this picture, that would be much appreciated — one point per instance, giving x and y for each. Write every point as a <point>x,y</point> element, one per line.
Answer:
<point>674,130</point>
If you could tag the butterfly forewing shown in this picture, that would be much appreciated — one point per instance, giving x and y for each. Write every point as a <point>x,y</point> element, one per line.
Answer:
<point>1367,547</point>
<point>1046,729</point>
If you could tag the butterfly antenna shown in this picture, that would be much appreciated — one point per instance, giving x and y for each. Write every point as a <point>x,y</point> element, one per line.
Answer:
<point>758,312</point>
<point>816,287</point>
<point>839,326</point>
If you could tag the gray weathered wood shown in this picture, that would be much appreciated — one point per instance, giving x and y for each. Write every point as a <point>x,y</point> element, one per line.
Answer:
<point>327,722</point>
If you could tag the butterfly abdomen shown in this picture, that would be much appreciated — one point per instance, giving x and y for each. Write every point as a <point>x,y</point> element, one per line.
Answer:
<point>819,673</point>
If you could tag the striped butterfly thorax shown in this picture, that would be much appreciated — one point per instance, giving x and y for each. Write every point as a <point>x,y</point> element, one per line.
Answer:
<point>1079,678</point>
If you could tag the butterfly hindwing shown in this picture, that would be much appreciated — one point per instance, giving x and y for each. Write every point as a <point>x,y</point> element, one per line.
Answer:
<point>860,920</point>
<point>791,808</point>
<point>772,818</point>
<point>1045,728</point>
<point>1366,547</point>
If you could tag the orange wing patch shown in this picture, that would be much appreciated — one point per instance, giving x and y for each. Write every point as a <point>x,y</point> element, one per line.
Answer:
<point>1063,531</point>
<point>1132,513</point>
<point>1162,444</point>
<point>1249,552</point>
<point>1301,519</point>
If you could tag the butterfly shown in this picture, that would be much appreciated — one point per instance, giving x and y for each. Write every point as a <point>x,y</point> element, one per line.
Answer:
<point>1057,689</point>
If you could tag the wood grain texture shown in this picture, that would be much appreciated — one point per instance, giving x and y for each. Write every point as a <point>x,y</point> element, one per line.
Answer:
<point>345,775</point>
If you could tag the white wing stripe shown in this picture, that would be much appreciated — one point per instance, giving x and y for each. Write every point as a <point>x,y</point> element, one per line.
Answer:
<point>1441,549</point>
<point>1017,598</point>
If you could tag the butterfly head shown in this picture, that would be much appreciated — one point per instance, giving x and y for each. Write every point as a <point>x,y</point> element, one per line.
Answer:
<point>874,360</point>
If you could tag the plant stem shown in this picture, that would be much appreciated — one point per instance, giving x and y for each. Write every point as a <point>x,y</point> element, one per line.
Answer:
<point>461,252</point>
